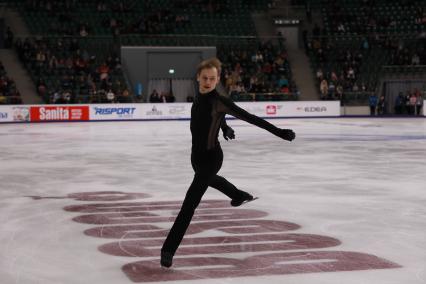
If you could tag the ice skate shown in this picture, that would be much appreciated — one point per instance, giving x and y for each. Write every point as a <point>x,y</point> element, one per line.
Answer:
<point>166,259</point>
<point>245,199</point>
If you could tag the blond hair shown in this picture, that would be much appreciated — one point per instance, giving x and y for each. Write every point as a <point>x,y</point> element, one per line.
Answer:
<point>210,63</point>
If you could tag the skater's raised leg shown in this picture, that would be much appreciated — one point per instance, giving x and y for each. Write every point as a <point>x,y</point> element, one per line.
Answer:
<point>238,196</point>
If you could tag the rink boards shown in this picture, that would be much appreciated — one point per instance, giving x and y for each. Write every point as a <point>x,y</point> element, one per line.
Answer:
<point>159,111</point>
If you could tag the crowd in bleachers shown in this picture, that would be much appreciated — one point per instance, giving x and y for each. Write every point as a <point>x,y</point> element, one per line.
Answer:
<point>366,16</point>
<point>354,64</point>
<point>357,38</point>
<point>106,17</point>
<point>338,69</point>
<point>8,91</point>
<point>84,18</point>
<point>64,72</point>
<point>262,70</point>
<point>407,52</point>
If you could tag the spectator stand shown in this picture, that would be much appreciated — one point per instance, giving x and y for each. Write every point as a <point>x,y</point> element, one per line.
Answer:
<point>358,38</point>
<point>74,70</point>
<point>8,91</point>
<point>65,60</point>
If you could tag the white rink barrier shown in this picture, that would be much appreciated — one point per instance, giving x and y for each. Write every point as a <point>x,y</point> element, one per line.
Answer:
<point>14,113</point>
<point>159,111</point>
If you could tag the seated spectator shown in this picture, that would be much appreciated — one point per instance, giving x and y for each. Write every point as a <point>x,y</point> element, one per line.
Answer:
<point>320,75</point>
<point>283,81</point>
<point>66,82</point>
<point>60,99</point>
<point>68,97</point>
<point>154,97</point>
<point>101,6</point>
<point>365,44</point>
<point>110,96</point>
<point>83,31</point>
<point>41,88</point>
<point>351,73</point>
<point>355,87</point>
<point>324,89</point>
<point>103,71</point>
<point>241,88</point>
<point>125,97</point>
<point>233,90</point>
<point>415,60</point>
<point>339,92</point>
<point>163,97</point>
<point>80,65</point>
<point>284,89</point>
<point>170,98</point>
<point>334,77</point>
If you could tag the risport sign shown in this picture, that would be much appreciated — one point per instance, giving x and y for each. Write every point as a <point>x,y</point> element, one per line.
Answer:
<point>114,111</point>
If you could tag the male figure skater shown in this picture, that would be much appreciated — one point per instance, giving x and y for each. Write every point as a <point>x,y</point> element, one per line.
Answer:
<point>207,116</point>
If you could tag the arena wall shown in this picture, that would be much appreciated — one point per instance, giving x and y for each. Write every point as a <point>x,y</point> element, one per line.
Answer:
<point>160,111</point>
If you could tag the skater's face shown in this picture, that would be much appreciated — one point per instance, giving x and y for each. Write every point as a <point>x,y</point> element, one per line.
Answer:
<point>207,79</point>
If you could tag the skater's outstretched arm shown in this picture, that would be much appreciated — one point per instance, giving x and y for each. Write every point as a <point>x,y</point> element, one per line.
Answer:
<point>229,107</point>
<point>228,132</point>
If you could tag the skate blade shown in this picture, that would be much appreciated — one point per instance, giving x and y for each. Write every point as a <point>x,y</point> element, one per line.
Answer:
<point>247,201</point>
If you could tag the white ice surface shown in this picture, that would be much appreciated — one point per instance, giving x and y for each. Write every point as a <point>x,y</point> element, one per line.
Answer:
<point>361,181</point>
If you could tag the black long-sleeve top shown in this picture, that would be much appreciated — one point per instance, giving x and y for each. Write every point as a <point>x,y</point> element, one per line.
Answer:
<point>208,116</point>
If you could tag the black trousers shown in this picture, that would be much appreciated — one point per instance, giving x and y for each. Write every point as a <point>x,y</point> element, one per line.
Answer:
<point>206,164</point>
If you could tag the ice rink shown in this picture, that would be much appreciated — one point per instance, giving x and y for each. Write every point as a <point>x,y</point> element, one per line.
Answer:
<point>92,202</point>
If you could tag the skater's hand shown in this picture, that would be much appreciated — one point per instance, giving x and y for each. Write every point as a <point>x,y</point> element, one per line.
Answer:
<point>286,134</point>
<point>228,133</point>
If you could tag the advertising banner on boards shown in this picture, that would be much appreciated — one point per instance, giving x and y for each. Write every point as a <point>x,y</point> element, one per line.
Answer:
<point>59,113</point>
<point>159,111</point>
<point>14,113</point>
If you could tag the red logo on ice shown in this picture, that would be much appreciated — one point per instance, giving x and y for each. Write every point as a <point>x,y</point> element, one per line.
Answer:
<point>271,109</point>
<point>61,113</point>
<point>136,230</point>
